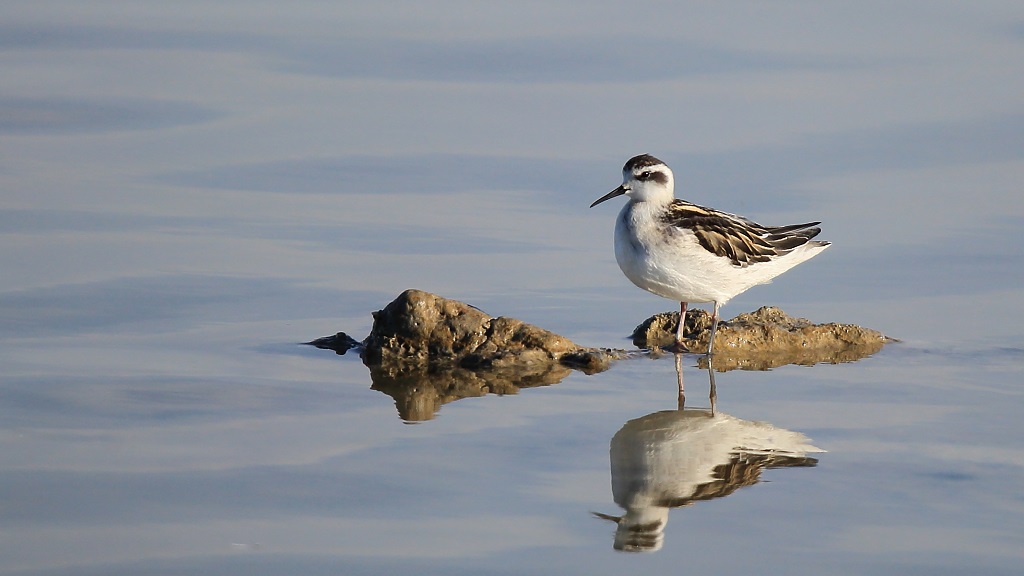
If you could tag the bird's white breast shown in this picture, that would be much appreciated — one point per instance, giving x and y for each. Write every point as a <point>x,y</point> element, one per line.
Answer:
<point>669,261</point>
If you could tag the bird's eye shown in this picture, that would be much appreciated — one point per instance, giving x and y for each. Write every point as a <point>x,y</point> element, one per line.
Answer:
<point>645,175</point>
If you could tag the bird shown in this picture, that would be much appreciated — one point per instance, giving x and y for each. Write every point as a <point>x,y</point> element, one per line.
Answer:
<point>689,253</point>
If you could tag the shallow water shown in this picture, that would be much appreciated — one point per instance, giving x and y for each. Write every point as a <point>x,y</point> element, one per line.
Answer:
<point>187,194</point>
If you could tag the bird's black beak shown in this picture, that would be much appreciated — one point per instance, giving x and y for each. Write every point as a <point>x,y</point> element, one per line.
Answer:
<point>617,192</point>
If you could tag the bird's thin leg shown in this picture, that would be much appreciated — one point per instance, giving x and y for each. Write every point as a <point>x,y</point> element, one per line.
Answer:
<point>714,328</point>
<point>714,392</point>
<point>679,379</point>
<point>682,325</point>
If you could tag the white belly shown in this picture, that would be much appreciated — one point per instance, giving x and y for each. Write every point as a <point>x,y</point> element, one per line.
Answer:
<point>670,262</point>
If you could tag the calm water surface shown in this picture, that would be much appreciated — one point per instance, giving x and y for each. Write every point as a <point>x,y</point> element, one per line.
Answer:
<point>186,194</point>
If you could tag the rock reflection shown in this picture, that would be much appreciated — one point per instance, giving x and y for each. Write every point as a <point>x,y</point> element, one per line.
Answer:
<point>674,458</point>
<point>419,394</point>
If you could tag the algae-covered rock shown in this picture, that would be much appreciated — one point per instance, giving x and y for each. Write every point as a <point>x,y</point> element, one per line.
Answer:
<point>420,328</point>
<point>765,338</point>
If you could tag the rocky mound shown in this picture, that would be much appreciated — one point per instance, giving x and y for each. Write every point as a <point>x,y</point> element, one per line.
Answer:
<point>765,338</point>
<point>419,328</point>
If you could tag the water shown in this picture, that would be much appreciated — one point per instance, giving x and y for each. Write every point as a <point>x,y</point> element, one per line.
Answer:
<point>189,193</point>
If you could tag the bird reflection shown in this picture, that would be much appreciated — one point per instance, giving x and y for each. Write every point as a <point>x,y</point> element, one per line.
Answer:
<point>674,458</point>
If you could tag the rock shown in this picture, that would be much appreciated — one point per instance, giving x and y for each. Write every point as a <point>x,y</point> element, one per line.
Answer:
<point>419,327</point>
<point>339,342</point>
<point>763,339</point>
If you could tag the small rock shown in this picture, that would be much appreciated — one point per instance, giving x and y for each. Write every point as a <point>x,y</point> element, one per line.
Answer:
<point>763,339</point>
<point>340,343</point>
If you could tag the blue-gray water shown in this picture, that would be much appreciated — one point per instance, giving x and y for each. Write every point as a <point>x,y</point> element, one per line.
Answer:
<point>188,191</point>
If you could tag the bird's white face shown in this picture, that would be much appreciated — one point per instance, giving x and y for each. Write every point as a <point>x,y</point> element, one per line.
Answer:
<point>648,183</point>
<point>644,179</point>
